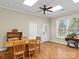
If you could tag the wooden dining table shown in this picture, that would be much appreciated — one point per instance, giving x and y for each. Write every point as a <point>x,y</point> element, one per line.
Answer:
<point>10,43</point>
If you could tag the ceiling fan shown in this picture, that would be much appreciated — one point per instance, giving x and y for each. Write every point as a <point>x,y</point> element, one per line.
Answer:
<point>44,9</point>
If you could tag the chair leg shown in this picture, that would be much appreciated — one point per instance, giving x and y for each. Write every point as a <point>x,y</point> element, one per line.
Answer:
<point>23,56</point>
<point>14,57</point>
<point>39,48</point>
<point>29,54</point>
<point>35,54</point>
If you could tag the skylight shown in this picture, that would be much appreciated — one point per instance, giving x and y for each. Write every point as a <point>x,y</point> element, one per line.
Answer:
<point>29,2</point>
<point>76,1</point>
<point>58,7</point>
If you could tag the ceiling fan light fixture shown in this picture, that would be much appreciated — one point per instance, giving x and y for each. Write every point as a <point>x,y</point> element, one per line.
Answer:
<point>58,7</point>
<point>29,2</point>
<point>75,1</point>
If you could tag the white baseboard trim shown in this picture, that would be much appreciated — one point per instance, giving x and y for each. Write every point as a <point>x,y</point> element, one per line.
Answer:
<point>3,49</point>
<point>58,42</point>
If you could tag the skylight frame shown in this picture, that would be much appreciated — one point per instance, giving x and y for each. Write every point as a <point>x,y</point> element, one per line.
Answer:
<point>29,2</point>
<point>75,1</point>
<point>56,8</point>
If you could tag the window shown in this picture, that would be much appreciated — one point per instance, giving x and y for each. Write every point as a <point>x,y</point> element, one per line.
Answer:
<point>67,26</point>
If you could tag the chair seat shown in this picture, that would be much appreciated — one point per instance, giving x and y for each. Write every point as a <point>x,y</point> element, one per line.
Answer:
<point>32,49</point>
<point>19,56</point>
<point>19,53</point>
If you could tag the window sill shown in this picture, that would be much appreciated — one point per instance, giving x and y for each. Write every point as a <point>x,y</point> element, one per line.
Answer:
<point>60,37</point>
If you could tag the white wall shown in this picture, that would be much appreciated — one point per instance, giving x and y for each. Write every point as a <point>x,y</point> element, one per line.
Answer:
<point>11,19</point>
<point>53,29</point>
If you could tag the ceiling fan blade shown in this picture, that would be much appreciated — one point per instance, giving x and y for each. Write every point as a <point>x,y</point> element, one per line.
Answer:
<point>40,7</point>
<point>49,7</point>
<point>50,10</point>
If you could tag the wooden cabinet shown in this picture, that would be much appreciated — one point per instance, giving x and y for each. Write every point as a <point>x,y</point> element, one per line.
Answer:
<point>14,35</point>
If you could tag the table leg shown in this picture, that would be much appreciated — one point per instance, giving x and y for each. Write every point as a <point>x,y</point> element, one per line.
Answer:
<point>76,44</point>
<point>67,43</point>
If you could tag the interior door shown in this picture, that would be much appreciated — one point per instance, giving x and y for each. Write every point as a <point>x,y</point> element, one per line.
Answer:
<point>32,30</point>
<point>45,33</point>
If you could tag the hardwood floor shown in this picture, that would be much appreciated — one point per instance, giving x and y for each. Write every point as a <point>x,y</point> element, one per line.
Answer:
<point>50,50</point>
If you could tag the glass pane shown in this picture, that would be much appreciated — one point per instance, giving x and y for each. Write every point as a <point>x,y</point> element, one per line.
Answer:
<point>77,31</point>
<point>73,31</point>
<point>72,23</point>
<point>62,32</point>
<point>77,22</point>
<point>61,24</point>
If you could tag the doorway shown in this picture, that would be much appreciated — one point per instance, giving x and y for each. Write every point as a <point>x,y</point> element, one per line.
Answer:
<point>45,33</point>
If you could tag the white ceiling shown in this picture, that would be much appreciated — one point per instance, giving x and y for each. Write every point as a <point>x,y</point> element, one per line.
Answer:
<point>16,5</point>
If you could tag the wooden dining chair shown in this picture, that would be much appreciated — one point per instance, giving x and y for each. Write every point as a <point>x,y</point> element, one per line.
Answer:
<point>19,49</point>
<point>32,47</point>
<point>38,39</point>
